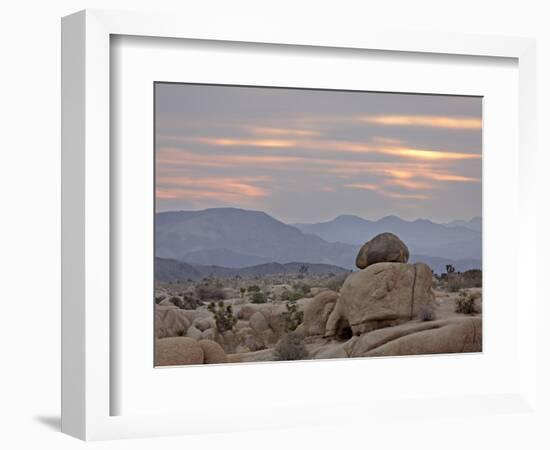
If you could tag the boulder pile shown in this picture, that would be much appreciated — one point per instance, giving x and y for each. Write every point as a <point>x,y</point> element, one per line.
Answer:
<point>380,310</point>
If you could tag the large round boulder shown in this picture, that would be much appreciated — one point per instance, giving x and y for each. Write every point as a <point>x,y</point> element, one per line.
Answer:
<point>384,294</point>
<point>258,322</point>
<point>210,334</point>
<point>213,352</point>
<point>251,340</point>
<point>170,321</point>
<point>178,351</point>
<point>385,247</point>
<point>203,324</point>
<point>317,312</point>
<point>194,333</point>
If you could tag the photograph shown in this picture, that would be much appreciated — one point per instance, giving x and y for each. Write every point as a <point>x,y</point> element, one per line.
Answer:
<point>300,224</point>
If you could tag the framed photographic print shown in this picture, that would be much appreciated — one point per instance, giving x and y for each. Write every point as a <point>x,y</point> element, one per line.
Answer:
<point>267,199</point>
<point>256,206</point>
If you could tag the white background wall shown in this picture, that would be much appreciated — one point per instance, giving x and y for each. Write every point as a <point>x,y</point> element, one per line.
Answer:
<point>30,197</point>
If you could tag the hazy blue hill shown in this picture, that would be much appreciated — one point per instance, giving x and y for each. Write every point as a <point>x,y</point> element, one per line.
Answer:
<point>224,257</point>
<point>473,224</point>
<point>231,238</point>
<point>421,236</point>
<point>236,238</point>
<point>172,270</point>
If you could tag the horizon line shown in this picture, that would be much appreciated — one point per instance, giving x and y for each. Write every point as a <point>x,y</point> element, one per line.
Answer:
<point>323,221</point>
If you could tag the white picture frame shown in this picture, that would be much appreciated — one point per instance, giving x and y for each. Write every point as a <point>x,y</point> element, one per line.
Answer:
<point>87,355</point>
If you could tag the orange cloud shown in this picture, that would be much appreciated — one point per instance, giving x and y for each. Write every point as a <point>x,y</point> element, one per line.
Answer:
<point>229,142</point>
<point>451,177</point>
<point>410,184</point>
<point>386,193</point>
<point>403,172</point>
<point>269,131</point>
<point>175,157</point>
<point>416,177</point>
<point>429,154</point>
<point>384,147</point>
<point>457,123</point>
<point>344,146</point>
<point>225,189</point>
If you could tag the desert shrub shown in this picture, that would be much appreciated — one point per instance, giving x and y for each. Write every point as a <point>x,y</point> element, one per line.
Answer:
<point>191,302</point>
<point>292,316</point>
<point>254,288</point>
<point>291,347</point>
<point>306,288</point>
<point>258,297</point>
<point>473,278</point>
<point>243,291</point>
<point>426,313</point>
<point>302,288</point>
<point>455,282</point>
<point>159,298</point>
<point>465,303</point>
<point>176,301</point>
<point>462,280</point>
<point>223,315</point>
<point>288,296</point>
<point>209,293</point>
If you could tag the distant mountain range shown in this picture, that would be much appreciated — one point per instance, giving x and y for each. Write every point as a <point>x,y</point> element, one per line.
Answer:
<point>473,224</point>
<point>231,238</point>
<point>172,270</point>
<point>422,236</point>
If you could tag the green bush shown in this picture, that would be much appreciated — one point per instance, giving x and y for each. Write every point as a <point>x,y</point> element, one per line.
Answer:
<point>291,347</point>
<point>176,301</point>
<point>302,288</point>
<point>207,292</point>
<point>190,301</point>
<point>258,297</point>
<point>287,296</point>
<point>426,313</point>
<point>223,315</point>
<point>465,303</point>
<point>254,288</point>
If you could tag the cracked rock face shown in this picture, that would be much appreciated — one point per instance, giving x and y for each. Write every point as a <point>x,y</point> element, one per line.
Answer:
<point>317,312</point>
<point>381,295</point>
<point>458,335</point>
<point>385,247</point>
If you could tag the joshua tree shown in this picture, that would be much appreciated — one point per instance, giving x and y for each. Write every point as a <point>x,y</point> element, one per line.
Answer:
<point>292,316</point>
<point>223,315</point>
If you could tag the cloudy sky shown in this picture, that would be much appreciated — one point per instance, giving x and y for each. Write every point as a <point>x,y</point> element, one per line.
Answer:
<point>311,155</point>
